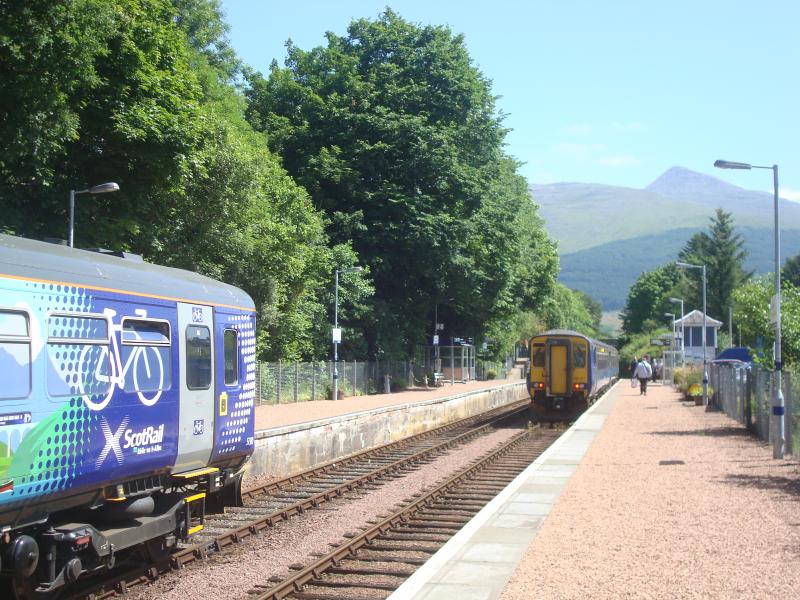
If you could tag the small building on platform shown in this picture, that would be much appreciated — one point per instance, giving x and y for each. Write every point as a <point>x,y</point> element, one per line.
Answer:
<point>691,328</point>
<point>452,358</point>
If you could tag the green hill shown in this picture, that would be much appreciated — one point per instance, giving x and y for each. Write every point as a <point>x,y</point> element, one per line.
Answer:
<point>607,271</point>
<point>609,235</point>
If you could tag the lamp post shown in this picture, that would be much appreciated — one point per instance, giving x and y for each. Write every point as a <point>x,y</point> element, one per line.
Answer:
<point>684,265</point>
<point>671,351</point>
<point>337,334</point>
<point>683,343</point>
<point>96,189</point>
<point>778,442</point>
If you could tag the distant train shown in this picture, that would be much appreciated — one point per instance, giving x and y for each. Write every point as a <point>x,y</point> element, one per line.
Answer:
<point>567,372</point>
<point>126,404</point>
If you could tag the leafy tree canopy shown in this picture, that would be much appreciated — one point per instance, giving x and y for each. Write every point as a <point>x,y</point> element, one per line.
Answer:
<point>648,299</point>
<point>721,251</point>
<point>394,134</point>
<point>752,318</point>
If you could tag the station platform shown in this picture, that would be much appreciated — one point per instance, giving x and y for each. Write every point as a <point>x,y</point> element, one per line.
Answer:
<point>290,438</point>
<point>643,497</point>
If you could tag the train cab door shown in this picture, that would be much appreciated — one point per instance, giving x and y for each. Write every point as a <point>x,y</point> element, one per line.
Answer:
<point>558,367</point>
<point>196,419</point>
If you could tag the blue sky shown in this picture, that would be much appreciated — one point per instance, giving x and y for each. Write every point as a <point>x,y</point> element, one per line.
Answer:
<point>613,91</point>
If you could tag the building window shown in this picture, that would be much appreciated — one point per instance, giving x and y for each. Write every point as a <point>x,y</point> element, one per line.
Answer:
<point>198,357</point>
<point>15,354</point>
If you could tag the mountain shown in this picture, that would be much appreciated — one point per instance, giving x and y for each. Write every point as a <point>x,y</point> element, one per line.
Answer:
<point>609,235</point>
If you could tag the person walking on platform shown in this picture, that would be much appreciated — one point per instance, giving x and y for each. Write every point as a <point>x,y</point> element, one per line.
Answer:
<point>643,372</point>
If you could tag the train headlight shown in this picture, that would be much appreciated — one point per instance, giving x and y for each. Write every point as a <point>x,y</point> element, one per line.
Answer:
<point>579,386</point>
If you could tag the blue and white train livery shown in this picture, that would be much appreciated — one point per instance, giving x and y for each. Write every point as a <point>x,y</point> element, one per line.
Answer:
<point>126,403</point>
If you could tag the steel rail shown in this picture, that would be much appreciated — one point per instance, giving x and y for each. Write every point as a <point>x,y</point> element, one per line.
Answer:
<point>349,549</point>
<point>177,560</point>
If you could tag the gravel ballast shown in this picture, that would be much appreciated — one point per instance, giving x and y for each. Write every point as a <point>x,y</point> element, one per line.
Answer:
<point>670,501</point>
<point>231,574</point>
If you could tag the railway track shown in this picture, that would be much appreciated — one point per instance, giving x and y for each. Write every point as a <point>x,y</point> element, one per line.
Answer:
<point>277,501</point>
<point>375,562</point>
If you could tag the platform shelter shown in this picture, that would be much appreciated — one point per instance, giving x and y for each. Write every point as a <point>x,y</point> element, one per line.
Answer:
<point>690,327</point>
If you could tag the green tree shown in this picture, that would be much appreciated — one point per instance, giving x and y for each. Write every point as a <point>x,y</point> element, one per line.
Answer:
<point>752,318</point>
<point>791,271</point>
<point>566,309</point>
<point>648,299</point>
<point>395,135</point>
<point>722,251</point>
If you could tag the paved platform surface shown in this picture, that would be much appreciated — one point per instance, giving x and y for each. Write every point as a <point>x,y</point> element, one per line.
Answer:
<point>644,497</point>
<point>279,415</point>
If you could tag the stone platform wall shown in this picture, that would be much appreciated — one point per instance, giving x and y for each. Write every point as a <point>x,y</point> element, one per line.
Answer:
<point>285,450</point>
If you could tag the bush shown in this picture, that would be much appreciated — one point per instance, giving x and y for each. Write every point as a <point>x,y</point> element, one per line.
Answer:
<point>398,384</point>
<point>491,374</point>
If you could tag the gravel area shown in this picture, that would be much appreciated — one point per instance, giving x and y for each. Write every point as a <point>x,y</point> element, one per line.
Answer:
<point>278,415</point>
<point>725,524</point>
<point>231,574</point>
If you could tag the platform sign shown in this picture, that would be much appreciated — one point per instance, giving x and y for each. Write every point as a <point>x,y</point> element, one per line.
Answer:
<point>337,335</point>
<point>436,340</point>
<point>773,310</point>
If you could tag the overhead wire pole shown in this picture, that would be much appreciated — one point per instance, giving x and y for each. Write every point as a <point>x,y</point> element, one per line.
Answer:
<point>778,407</point>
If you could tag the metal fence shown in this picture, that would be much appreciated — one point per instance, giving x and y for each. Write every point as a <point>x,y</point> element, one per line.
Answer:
<point>285,382</point>
<point>744,393</point>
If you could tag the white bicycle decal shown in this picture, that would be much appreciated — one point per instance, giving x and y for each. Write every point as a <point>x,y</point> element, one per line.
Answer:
<point>118,372</point>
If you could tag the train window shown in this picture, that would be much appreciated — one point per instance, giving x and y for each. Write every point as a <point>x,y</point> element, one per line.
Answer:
<point>147,353</point>
<point>15,355</point>
<point>198,357</point>
<point>538,356</point>
<point>231,345</point>
<point>151,333</point>
<point>77,328</point>
<point>78,357</point>
<point>579,356</point>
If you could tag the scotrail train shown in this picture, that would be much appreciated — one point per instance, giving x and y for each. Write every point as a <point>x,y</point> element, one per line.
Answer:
<point>126,405</point>
<point>568,371</point>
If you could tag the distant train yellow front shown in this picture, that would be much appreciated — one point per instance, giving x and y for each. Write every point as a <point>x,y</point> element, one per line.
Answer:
<point>568,371</point>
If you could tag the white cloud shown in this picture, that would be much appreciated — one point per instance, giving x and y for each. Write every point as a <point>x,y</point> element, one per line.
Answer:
<point>788,194</point>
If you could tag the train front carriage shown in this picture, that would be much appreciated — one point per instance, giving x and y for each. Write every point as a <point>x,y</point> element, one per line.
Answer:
<point>567,371</point>
<point>127,408</point>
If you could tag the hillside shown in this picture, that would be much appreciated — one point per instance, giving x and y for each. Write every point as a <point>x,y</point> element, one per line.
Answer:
<point>609,235</point>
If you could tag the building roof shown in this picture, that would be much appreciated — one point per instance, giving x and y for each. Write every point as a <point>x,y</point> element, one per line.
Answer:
<point>696,318</point>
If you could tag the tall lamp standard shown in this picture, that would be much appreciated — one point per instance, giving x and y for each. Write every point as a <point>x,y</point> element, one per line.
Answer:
<point>683,343</point>
<point>684,265</point>
<point>96,189</point>
<point>672,341</point>
<point>777,394</point>
<point>337,333</point>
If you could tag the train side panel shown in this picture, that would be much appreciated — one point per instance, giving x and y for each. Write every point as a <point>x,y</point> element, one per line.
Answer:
<point>93,395</point>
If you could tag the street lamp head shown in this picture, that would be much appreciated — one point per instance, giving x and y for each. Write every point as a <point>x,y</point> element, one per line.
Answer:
<point>352,270</point>
<point>728,164</point>
<point>669,315</point>
<point>684,265</point>
<point>104,188</point>
<point>676,299</point>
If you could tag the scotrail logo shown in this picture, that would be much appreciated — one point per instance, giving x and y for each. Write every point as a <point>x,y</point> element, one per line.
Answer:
<point>139,442</point>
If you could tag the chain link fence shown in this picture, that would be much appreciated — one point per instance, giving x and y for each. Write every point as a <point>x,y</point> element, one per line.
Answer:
<point>285,382</point>
<point>744,393</point>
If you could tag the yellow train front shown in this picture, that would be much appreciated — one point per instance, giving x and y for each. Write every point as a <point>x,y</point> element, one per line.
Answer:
<point>568,371</point>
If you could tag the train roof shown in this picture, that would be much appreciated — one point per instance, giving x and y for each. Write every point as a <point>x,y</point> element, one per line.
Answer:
<point>32,260</point>
<point>575,333</point>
